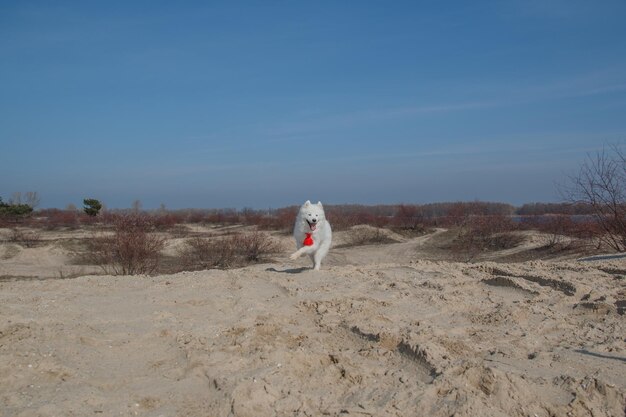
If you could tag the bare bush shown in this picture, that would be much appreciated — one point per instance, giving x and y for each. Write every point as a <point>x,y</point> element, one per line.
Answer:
<point>131,249</point>
<point>203,253</point>
<point>165,221</point>
<point>558,229</point>
<point>459,213</point>
<point>485,233</point>
<point>53,219</point>
<point>32,198</point>
<point>408,218</point>
<point>343,217</point>
<point>566,208</point>
<point>601,183</point>
<point>281,220</point>
<point>27,238</point>
<point>256,246</point>
<point>227,252</point>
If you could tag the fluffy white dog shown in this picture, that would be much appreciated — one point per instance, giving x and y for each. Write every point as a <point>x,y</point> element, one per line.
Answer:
<point>312,233</point>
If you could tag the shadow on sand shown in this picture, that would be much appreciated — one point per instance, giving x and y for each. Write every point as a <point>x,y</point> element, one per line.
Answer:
<point>290,271</point>
<point>602,257</point>
<point>599,355</point>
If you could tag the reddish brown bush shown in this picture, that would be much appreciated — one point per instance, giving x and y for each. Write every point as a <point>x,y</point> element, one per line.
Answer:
<point>484,233</point>
<point>286,218</point>
<point>540,209</point>
<point>165,221</point>
<point>280,220</point>
<point>345,217</point>
<point>408,218</point>
<point>583,229</point>
<point>53,219</point>
<point>555,227</point>
<point>587,229</point>
<point>224,216</point>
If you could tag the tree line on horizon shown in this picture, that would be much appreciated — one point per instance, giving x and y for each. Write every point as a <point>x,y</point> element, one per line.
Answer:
<point>94,208</point>
<point>597,194</point>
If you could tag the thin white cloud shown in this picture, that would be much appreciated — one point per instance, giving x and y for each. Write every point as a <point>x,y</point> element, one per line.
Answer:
<point>607,89</point>
<point>538,144</point>
<point>602,81</point>
<point>605,81</point>
<point>359,117</point>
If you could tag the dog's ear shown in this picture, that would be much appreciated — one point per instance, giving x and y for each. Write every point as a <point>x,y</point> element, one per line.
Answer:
<point>319,203</point>
<point>307,203</point>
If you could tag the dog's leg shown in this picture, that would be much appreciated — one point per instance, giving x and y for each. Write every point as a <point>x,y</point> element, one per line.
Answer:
<point>319,255</point>
<point>299,253</point>
<point>317,260</point>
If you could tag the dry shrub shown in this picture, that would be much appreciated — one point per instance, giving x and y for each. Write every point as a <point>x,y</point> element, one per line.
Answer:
<point>281,220</point>
<point>4,222</point>
<point>131,249</point>
<point>563,231</point>
<point>222,216</point>
<point>27,238</point>
<point>486,233</point>
<point>408,221</point>
<point>166,221</point>
<point>556,228</point>
<point>54,219</point>
<point>408,218</point>
<point>600,184</point>
<point>179,231</point>
<point>590,234</point>
<point>460,213</point>
<point>364,235</point>
<point>228,251</point>
<point>343,219</point>
<point>504,240</point>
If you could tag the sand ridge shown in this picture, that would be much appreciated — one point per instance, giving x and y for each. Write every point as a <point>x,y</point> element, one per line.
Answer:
<point>385,339</point>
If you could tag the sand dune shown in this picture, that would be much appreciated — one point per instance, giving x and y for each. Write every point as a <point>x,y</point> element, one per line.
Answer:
<point>376,332</point>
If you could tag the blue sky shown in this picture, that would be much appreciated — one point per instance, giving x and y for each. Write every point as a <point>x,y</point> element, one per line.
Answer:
<point>269,103</point>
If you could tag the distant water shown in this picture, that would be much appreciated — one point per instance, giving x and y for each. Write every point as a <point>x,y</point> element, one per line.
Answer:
<point>546,217</point>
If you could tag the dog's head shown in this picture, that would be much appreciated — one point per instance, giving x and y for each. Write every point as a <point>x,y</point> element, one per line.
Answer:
<point>312,215</point>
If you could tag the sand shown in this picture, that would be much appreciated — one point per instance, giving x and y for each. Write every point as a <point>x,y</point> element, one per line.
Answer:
<point>377,332</point>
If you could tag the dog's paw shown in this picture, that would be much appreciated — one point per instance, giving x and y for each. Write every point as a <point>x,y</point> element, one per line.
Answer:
<point>294,256</point>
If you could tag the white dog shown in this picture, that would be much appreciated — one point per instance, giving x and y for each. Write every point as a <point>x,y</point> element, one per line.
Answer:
<point>312,233</point>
